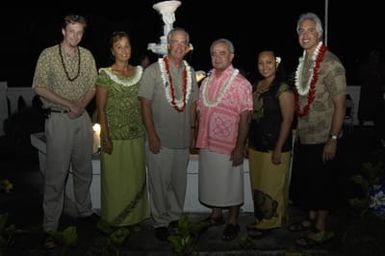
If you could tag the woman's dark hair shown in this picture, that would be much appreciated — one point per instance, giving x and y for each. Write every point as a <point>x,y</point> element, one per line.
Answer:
<point>117,35</point>
<point>280,73</point>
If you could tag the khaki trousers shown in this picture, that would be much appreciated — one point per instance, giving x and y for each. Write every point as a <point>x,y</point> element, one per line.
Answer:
<point>167,175</point>
<point>69,144</point>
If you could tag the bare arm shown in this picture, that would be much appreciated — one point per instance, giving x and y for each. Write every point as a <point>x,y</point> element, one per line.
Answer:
<point>53,97</point>
<point>101,103</point>
<point>81,104</point>
<point>337,122</point>
<point>286,102</point>
<point>243,129</point>
<point>153,138</point>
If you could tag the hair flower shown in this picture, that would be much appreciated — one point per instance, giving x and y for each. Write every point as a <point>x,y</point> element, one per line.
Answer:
<point>278,60</point>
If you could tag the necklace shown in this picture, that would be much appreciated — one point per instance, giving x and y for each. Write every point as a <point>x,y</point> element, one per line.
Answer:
<point>178,104</point>
<point>310,88</point>
<point>64,66</point>
<point>126,83</point>
<point>222,91</point>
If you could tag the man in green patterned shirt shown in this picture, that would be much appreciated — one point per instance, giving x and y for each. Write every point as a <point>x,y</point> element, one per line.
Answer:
<point>65,79</point>
<point>320,105</point>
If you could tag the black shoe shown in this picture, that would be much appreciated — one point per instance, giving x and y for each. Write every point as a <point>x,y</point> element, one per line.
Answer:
<point>173,224</point>
<point>231,232</point>
<point>172,227</point>
<point>161,233</point>
<point>92,219</point>
<point>49,242</point>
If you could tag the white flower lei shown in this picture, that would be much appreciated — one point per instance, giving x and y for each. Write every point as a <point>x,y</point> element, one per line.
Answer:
<point>166,81</point>
<point>125,83</point>
<point>222,92</point>
<point>298,74</point>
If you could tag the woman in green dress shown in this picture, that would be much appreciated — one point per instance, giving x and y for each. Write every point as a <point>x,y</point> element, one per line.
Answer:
<point>124,199</point>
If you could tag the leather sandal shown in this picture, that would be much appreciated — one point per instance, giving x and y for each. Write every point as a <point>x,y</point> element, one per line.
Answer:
<point>231,232</point>
<point>49,242</point>
<point>315,239</point>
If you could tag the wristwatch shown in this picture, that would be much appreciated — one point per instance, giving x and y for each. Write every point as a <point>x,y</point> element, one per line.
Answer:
<point>333,136</point>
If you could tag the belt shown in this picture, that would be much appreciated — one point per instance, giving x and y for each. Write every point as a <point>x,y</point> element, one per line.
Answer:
<point>52,110</point>
<point>59,111</point>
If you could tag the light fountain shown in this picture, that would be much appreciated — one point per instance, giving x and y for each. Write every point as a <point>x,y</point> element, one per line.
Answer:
<point>167,10</point>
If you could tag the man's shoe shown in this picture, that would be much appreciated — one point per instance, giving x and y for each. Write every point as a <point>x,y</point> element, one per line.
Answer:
<point>231,232</point>
<point>173,224</point>
<point>49,242</point>
<point>161,233</point>
<point>92,219</point>
<point>173,227</point>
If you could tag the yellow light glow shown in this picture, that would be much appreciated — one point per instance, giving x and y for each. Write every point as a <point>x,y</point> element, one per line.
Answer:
<point>96,143</point>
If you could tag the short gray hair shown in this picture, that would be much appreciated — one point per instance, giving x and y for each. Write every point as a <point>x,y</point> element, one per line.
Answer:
<point>313,17</point>
<point>227,42</point>
<point>174,30</point>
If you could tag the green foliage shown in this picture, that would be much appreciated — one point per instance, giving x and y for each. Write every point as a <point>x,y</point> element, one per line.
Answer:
<point>105,227</point>
<point>116,237</point>
<point>371,173</point>
<point>6,186</point>
<point>119,237</point>
<point>364,236</point>
<point>7,233</point>
<point>66,238</point>
<point>246,243</point>
<point>184,238</point>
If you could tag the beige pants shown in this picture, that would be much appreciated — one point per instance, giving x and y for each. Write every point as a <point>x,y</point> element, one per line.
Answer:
<point>69,143</point>
<point>167,176</point>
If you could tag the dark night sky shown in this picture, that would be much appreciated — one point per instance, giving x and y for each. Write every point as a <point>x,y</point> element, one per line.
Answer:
<point>354,30</point>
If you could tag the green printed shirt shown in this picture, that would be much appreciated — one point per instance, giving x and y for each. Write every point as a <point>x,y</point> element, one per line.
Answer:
<point>50,73</point>
<point>314,128</point>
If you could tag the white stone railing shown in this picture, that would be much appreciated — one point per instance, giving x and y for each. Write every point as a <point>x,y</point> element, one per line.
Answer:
<point>192,203</point>
<point>12,94</point>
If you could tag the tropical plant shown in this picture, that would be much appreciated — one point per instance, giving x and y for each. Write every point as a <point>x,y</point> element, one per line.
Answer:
<point>65,239</point>
<point>372,186</point>
<point>6,186</point>
<point>185,235</point>
<point>116,238</point>
<point>7,233</point>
